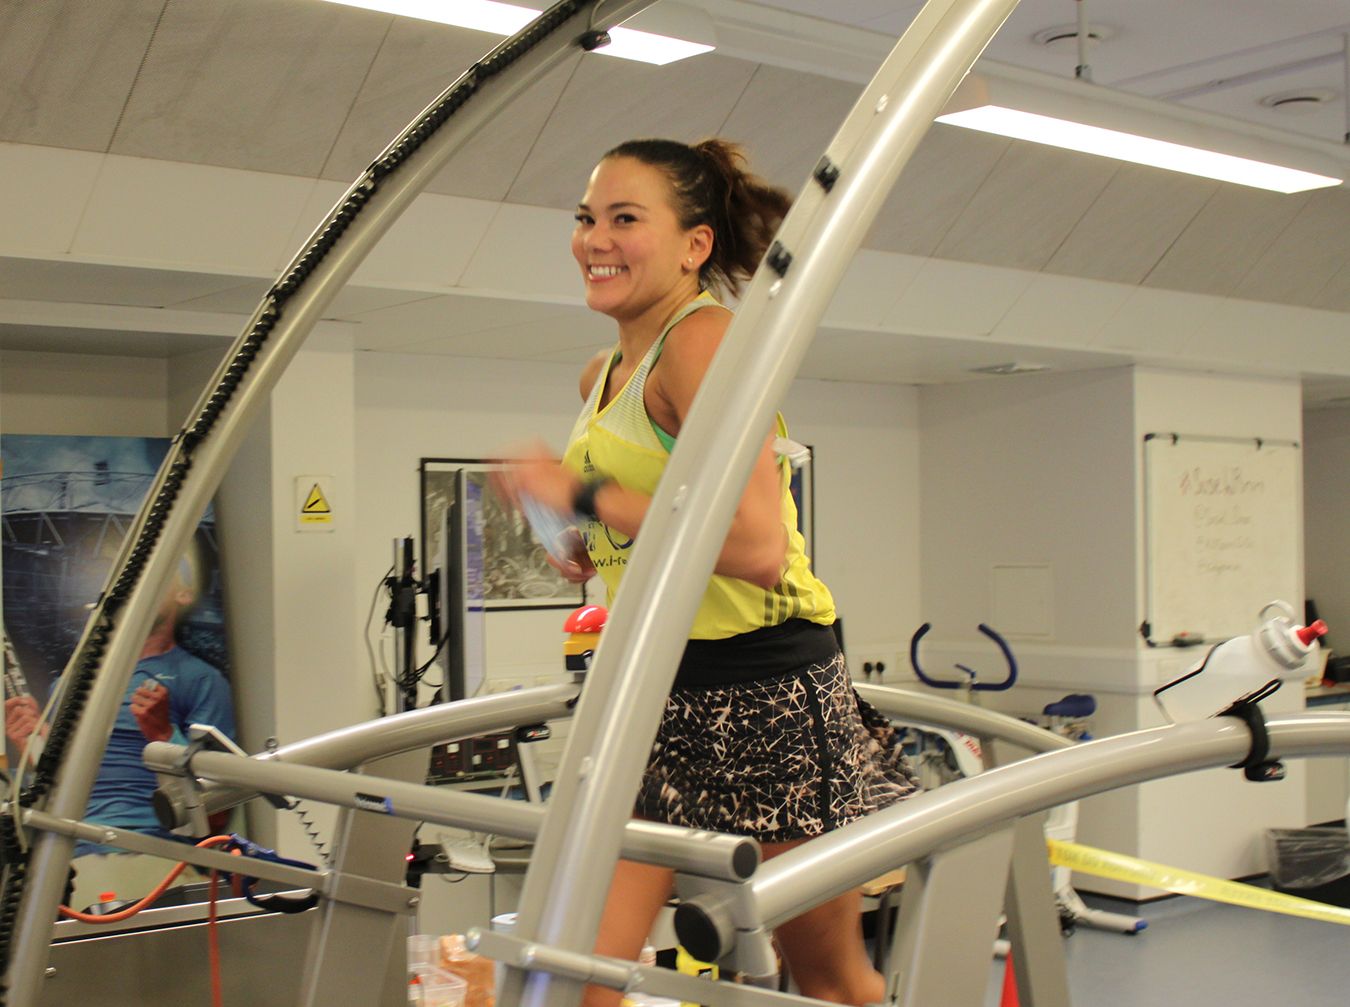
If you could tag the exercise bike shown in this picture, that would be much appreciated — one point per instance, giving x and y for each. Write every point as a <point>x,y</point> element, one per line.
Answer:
<point>947,755</point>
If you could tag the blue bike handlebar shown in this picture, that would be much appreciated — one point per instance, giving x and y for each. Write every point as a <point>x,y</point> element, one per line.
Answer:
<point>1007,683</point>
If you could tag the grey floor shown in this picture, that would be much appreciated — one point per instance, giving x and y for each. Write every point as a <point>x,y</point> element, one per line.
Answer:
<point>1203,954</point>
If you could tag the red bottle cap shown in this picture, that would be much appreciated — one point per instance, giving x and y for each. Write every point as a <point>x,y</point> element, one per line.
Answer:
<point>1308,635</point>
<point>106,896</point>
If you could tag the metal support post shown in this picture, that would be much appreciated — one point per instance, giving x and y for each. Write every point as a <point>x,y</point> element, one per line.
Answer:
<point>403,732</point>
<point>349,942</point>
<point>1033,920</point>
<point>709,854</point>
<point>614,973</point>
<point>949,911</point>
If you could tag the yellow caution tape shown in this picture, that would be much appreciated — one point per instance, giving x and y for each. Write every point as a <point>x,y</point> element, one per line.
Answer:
<point>1118,867</point>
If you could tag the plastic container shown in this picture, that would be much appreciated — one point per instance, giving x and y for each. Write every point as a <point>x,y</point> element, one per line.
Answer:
<point>1310,863</point>
<point>1279,649</point>
<point>475,970</point>
<point>439,988</point>
<point>422,952</point>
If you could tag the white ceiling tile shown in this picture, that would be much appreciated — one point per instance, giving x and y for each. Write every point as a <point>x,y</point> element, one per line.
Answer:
<point>1335,296</point>
<point>612,100</point>
<point>1131,224</point>
<point>430,244</point>
<point>350,301</point>
<point>937,184</point>
<point>1324,121</point>
<point>870,288</point>
<point>313,209</point>
<point>1224,241</point>
<point>66,67</point>
<point>892,358</point>
<point>354,301</point>
<point>896,19</point>
<point>105,342</point>
<point>240,299</point>
<point>785,119</point>
<point>161,212</point>
<point>69,282</point>
<point>957,298</point>
<point>469,320</point>
<point>1306,255</point>
<point>561,337</point>
<point>1026,207</point>
<point>1246,334</point>
<point>416,63</point>
<point>1162,322</point>
<point>1153,36</point>
<point>259,84</point>
<point>527,249</point>
<point>1062,311</point>
<point>56,184</point>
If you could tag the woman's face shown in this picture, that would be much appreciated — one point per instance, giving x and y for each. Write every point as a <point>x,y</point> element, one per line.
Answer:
<point>628,241</point>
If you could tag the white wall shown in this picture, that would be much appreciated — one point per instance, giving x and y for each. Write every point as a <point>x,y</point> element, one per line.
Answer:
<point>867,532</point>
<point>1044,470</point>
<point>1033,471</point>
<point>62,393</point>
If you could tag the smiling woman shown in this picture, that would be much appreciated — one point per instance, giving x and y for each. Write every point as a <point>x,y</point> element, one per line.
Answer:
<point>762,734</point>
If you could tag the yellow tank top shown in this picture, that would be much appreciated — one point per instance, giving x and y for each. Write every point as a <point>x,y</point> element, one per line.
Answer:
<point>620,442</point>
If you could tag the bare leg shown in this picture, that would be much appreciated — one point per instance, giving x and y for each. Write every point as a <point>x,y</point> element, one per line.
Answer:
<point>636,896</point>
<point>825,951</point>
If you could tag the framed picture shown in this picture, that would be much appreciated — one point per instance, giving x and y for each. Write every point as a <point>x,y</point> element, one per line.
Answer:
<point>515,572</point>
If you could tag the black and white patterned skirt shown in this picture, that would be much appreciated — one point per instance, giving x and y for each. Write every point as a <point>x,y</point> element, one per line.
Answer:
<point>781,758</point>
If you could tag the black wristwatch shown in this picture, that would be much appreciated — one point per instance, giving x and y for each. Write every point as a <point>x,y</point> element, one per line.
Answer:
<point>583,502</point>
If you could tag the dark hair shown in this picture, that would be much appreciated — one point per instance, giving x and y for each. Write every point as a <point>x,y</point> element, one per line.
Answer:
<point>710,185</point>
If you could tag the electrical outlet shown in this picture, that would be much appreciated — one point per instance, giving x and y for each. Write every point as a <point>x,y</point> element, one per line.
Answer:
<point>872,666</point>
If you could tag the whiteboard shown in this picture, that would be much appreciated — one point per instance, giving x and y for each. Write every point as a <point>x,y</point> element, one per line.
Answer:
<point>1223,533</point>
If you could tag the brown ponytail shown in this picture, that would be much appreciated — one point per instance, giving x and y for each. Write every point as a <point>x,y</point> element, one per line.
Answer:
<point>710,185</point>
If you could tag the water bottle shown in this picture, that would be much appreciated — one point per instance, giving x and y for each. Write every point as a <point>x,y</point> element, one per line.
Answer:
<point>1279,649</point>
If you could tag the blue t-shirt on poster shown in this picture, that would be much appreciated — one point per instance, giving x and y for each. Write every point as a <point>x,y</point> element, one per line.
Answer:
<point>198,694</point>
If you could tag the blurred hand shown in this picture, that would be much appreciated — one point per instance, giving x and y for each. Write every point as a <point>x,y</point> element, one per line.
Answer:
<point>150,707</point>
<point>579,568</point>
<point>22,715</point>
<point>535,470</point>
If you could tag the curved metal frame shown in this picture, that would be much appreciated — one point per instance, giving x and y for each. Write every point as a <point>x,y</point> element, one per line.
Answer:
<point>101,666</point>
<point>692,509</point>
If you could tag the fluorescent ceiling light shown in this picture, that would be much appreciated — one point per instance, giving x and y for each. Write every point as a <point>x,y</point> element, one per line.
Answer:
<point>1094,120</point>
<point>507,19</point>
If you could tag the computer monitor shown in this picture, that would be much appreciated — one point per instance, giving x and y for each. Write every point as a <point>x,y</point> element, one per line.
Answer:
<point>459,582</point>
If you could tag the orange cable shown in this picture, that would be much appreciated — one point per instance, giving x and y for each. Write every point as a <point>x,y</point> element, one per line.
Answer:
<point>144,903</point>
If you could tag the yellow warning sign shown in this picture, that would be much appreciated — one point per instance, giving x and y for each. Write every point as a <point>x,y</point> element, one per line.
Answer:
<point>1118,867</point>
<point>316,502</point>
<point>313,500</point>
